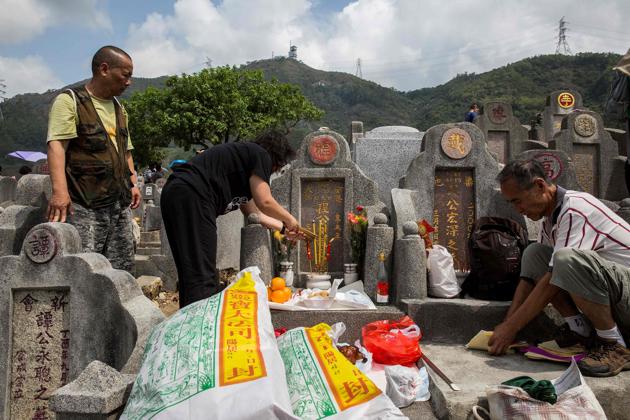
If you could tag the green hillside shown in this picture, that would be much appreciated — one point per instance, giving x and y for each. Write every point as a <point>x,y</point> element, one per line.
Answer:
<point>345,98</point>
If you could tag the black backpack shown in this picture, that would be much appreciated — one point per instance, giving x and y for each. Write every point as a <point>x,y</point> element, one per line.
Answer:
<point>495,248</point>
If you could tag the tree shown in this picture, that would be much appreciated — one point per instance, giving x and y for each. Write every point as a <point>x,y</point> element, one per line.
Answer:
<point>213,106</point>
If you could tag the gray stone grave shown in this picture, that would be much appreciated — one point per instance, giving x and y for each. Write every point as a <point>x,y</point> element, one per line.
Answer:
<point>61,310</point>
<point>384,154</point>
<point>559,104</point>
<point>504,134</point>
<point>151,192</point>
<point>320,188</point>
<point>8,187</point>
<point>29,209</point>
<point>594,154</point>
<point>451,183</point>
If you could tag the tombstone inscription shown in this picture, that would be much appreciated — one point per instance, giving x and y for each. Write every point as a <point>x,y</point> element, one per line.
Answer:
<point>498,144</point>
<point>586,160</point>
<point>40,360</point>
<point>323,215</point>
<point>503,132</point>
<point>454,212</point>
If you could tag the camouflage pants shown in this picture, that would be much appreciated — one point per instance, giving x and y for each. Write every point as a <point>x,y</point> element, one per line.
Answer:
<point>108,231</point>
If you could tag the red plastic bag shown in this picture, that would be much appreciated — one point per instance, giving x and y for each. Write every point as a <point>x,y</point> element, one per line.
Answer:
<point>393,342</point>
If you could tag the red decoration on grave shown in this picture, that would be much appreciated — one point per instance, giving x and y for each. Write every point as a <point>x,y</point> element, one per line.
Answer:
<point>323,150</point>
<point>566,100</point>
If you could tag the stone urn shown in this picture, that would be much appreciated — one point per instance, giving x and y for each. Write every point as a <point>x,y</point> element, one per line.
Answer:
<point>318,280</point>
<point>286,272</point>
<point>350,274</point>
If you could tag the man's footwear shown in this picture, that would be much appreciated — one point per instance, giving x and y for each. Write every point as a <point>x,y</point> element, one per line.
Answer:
<point>605,358</point>
<point>565,337</point>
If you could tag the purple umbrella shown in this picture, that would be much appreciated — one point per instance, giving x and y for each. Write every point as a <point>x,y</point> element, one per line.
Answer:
<point>29,156</point>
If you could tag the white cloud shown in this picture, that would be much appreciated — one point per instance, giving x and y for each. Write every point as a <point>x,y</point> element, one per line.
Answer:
<point>23,20</point>
<point>29,74</point>
<point>402,43</point>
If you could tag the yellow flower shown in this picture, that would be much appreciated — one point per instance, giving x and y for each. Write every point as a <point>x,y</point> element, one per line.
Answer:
<point>278,236</point>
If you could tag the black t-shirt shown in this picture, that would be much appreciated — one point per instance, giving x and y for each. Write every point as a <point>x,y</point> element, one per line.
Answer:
<point>221,173</point>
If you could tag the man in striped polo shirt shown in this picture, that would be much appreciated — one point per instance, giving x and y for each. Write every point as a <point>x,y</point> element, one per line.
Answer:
<point>581,265</point>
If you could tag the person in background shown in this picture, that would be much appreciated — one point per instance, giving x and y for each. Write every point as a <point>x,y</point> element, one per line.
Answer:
<point>472,113</point>
<point>24,170</point>
<point>225,178</point>
<point>581,265</point>
<point>89,154</point>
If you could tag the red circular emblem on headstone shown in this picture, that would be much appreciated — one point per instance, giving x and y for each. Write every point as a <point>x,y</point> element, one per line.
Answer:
<point>323,150</point>
<point>551,163</point>
<point>566,100</point>
<point>497,114</point>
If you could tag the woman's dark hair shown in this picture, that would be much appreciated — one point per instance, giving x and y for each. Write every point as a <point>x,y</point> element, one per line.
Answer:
<point>275,142</point>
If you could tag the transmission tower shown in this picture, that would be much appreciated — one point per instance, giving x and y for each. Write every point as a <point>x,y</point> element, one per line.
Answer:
<point>562,38</point>
<point>2,97</point>
<point>358,71</point>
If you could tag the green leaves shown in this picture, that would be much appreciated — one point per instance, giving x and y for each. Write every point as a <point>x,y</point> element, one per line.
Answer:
<point>213,106</point>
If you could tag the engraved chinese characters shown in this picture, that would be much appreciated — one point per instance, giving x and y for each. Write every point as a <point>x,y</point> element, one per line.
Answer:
<point>551,163</point>
<point>40,246</point>
<point>585,160</point>
<point>497,114</point>
<point>498,144</point>
<point>323,150</point>
<point>454,212</point>
<point>322,204</point>
<point>585,125</point>
<point>566,100</point>
<point>40,360</point>
<point>456,143</point>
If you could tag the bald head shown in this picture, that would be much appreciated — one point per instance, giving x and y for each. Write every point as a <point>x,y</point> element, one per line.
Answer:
<point>112,56</point>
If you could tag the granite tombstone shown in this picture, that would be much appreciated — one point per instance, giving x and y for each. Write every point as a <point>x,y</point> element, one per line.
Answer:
<point>594,154</point>
<point>504,134</point>
<point>558,105</point>
<point>62,309</point>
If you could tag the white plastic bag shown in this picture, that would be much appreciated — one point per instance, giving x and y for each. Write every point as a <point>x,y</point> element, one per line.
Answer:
<point>324,384</point>
<point>216,358</point>
<point>442,278</point>
<point>575,400</point>
<point>406,384</point>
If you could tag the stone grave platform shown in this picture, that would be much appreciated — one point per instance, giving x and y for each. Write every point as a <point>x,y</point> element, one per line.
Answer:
<point>474,370</point>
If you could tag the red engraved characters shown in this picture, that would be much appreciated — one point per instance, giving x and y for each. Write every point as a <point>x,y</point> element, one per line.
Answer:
<point>323,150</point>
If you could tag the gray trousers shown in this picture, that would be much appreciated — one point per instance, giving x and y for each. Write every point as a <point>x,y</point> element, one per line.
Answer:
<point>107,231</point>
<point>584,274</point>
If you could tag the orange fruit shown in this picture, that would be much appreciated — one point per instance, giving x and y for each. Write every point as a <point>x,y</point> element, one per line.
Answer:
<point>288,291</point>
<point>268,293</point>
<point>277,283</point>
<point>279,296</point>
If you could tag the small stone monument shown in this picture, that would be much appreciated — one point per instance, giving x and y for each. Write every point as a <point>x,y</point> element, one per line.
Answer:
<point>451,183</point>
<point>503,132</point>
<point>61,310</point>
<point>322,186</point>
<point>29,209</point>
<point>384,153</point>
<point>595,155</point>
<point>559,104</point>
<point>8,186</point>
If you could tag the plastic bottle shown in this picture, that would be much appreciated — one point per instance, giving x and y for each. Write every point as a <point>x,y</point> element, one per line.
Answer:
<point>382,282</point>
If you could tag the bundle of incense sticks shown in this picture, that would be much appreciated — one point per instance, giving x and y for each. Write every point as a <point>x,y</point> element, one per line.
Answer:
<point>307,233</point>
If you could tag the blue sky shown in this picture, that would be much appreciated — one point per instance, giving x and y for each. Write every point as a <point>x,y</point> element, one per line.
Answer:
<point>406,44</point>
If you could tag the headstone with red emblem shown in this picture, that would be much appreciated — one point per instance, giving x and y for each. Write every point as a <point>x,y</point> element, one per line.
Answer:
<point>503,132</point>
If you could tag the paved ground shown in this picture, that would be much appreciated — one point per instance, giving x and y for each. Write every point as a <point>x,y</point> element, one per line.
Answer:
<point>474,370</point>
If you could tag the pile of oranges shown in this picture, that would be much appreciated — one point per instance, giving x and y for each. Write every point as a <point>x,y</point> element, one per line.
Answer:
<point>278,291</point>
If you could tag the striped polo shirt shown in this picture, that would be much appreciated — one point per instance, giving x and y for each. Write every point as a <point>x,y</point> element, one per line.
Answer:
<point>581,221</point>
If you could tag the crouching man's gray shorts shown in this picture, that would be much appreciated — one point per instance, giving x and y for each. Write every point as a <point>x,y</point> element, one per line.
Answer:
<point>584,274</point>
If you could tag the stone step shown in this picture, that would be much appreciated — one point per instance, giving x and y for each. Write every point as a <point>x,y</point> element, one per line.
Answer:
<point>153,236</point>
<point>474,370</point>
<point>152,244</point>
<point>354,320</point>
<point>148,251</point>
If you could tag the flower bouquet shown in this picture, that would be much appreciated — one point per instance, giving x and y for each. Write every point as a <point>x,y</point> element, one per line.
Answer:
<point>358,231</point>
